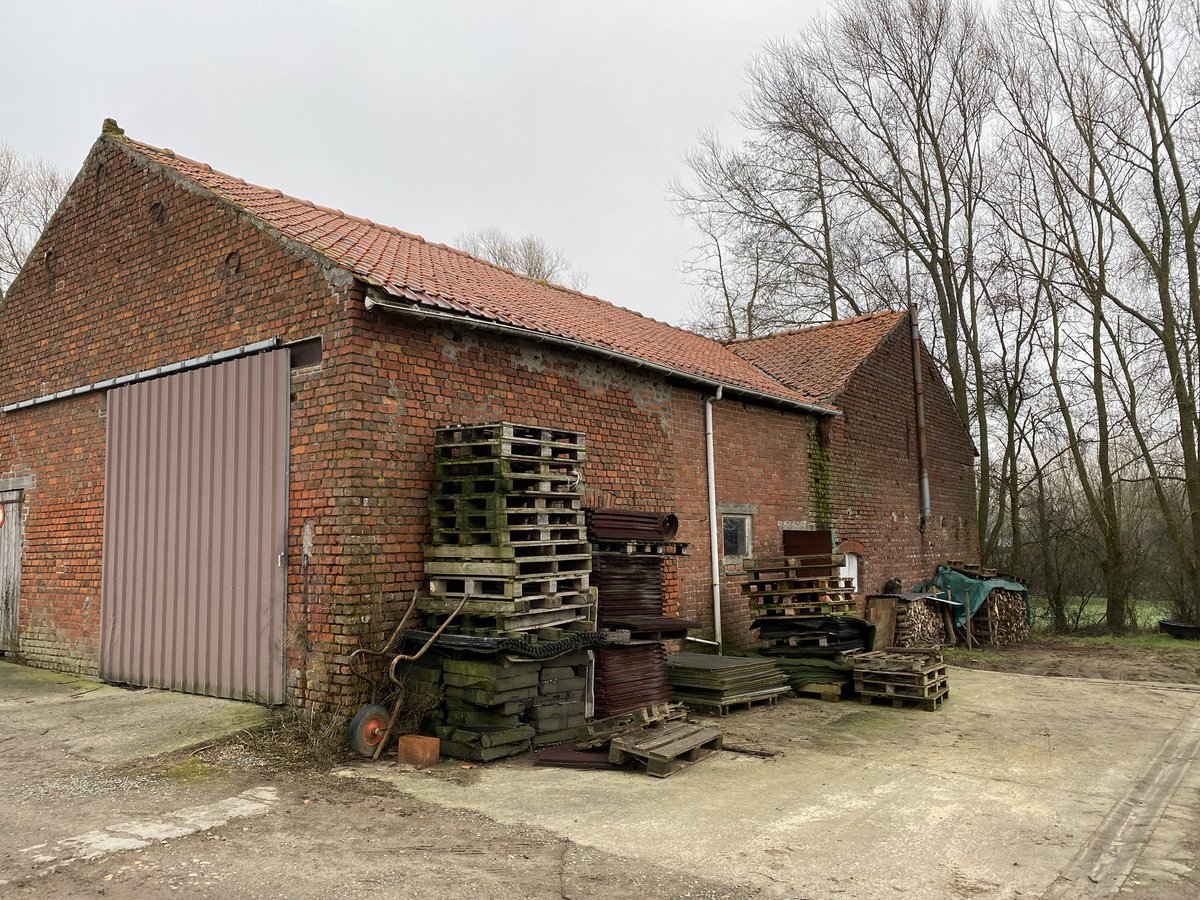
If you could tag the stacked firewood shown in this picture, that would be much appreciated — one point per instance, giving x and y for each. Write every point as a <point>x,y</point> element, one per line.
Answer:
<point>1001,619</point>
<point>919,623</point>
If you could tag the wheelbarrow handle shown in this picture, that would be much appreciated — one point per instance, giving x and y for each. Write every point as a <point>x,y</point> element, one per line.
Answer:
<point>404,657</point>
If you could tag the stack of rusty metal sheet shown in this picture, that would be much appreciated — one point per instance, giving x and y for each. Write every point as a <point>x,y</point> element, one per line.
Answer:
<point>628,548</point>
<point>631,677</point>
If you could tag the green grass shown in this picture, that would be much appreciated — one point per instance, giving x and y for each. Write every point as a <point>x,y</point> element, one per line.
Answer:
<point>1144,640</point>
<point>952,654</point>
<point>1146,614</point>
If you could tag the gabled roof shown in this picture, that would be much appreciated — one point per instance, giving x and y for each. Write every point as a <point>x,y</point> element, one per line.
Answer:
<point>818,361</point>
<point>436,277</point>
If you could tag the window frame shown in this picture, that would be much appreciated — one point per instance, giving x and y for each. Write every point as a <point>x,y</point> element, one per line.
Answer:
<point>749,536</point>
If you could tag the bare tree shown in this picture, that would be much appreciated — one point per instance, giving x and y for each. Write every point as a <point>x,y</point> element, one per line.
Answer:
<point>866,178</point>
<point>1103,93</point>
<point>529,255</point>
<point>30,191</point>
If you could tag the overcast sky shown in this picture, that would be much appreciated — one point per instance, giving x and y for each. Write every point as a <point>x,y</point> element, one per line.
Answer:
<point>564,119</point>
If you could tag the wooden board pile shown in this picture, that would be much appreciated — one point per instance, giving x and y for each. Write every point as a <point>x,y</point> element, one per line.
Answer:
<point>904,676</point>
<point>494,707</point>
<point>721,683</point>
<point>803,610</point>
<point>1001,619</point>
<point>508,528</point>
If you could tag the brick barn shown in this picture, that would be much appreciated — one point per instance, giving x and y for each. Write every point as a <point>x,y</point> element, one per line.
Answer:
<point>219,403</point>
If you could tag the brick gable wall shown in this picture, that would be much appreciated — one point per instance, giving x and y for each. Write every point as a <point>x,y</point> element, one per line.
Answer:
<point>145,271</point>
<point>873,450</point>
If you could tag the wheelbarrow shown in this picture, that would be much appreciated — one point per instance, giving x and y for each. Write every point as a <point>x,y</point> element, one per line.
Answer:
<point>372,724</point>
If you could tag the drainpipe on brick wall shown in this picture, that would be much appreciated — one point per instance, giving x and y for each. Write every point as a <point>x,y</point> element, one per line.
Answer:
<point>919,397</point>
<point>712,514</point>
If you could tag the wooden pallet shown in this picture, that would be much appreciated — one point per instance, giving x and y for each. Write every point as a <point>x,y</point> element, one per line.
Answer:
<point>525,550</point>
<point>721,708</point>
<point>807,586</point>
<point>917,689</point>
<point>640,548</point>
<point>526,568</point>
<point>491,623</point>
<point>828,692</point>
<point>600,731</point>
<point>802,610</point>
<point>665,749</point>
<point>520,587</point>
<point>503,467</point>
<point>927,703</point>
<point>510,503</point>
<point>502,433</point>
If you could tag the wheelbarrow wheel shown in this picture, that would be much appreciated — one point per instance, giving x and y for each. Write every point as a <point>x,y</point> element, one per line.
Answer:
<point>367,728</point>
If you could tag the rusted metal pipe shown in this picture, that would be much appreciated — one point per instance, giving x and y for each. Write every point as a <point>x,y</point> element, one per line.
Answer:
<point>919,398</point>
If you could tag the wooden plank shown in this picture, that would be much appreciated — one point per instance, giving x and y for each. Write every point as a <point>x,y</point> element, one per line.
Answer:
<point>881,612</point>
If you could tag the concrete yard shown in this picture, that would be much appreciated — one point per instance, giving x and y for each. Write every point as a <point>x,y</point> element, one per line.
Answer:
<point>1020,786</point>
<point>1009,790</point>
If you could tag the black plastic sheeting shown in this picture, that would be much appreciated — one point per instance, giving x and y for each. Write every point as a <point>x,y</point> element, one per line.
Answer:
<point>582,640</point>
<point>823,638</point>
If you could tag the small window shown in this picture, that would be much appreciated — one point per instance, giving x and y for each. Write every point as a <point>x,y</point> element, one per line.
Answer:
<point>306,353</point>
<point>850,569</point>
<point>736,530</point>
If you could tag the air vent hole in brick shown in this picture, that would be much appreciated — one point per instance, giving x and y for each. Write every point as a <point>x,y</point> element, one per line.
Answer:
<point>233,263</point>
<point>157,213</point>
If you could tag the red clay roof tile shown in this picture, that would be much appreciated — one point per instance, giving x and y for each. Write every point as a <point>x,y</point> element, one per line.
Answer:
<point>433,275</point>
<point>818,361</point>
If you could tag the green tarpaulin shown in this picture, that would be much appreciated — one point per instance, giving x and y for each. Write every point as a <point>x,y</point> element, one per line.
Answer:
<point>954,585</point>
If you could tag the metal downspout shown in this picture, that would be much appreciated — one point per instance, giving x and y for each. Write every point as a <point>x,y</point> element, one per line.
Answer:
<point>919,398</point>
<point>712,515</point>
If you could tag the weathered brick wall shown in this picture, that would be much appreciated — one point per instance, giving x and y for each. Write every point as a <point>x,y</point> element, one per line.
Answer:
<point>146,270</point>
<point>761,470</point>
<point>142,271</point>
<point>873,450</point>
<point>415,377</point>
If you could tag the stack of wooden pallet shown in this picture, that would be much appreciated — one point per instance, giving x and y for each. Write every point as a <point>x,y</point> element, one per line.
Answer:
<point>797,587</point>
<point>722,683</point>
<point>902,675</point>
<point>508,529</point>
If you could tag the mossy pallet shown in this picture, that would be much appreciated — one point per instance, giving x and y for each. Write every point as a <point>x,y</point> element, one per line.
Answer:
<point>512,503</point>
<point>480,587</point>
<point>666,749</point>
<point>912,691</point>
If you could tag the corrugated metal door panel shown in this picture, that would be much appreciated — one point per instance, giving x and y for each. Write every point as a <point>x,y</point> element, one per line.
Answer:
<point>195,522</point>
<point>10,567</point>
